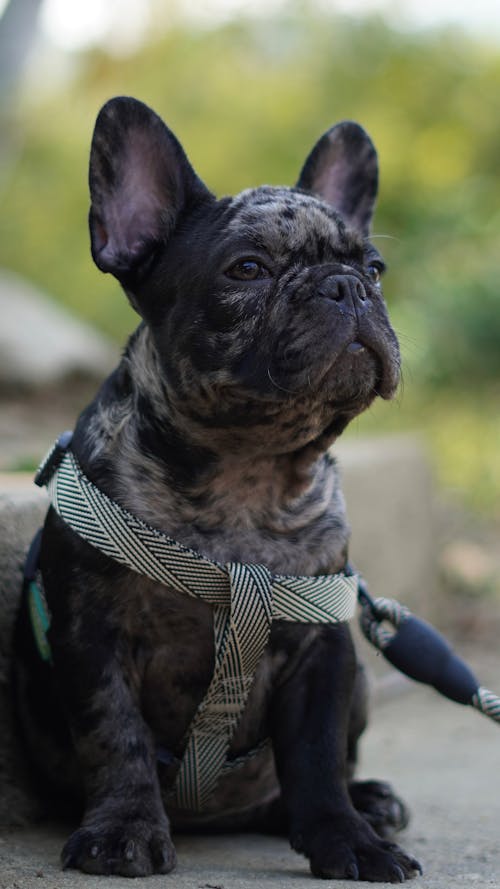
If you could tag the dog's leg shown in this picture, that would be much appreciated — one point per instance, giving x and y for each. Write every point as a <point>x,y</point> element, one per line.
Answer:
<point>375,800</point>
<point>310,729</point>
<point>124,829</point>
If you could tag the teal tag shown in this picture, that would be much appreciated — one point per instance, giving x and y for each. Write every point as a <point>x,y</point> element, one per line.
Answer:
<point>40,620</point>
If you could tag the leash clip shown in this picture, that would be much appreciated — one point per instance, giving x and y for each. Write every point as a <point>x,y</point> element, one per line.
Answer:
<point>53,459</point>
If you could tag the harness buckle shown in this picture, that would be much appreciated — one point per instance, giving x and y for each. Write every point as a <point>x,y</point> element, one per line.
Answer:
<point>53,459</point>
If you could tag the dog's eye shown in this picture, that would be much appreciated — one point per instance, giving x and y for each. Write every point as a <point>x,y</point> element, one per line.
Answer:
<point>247,270</point>
<point>374,272</point>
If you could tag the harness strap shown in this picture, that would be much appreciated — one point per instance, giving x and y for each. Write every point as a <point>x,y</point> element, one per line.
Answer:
<point>246,600</point>
<point>241,634</point>
<point>122,536</point>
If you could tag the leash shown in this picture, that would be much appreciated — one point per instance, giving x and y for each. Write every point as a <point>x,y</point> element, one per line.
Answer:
<point>246,598</point>
<point>418,650</point>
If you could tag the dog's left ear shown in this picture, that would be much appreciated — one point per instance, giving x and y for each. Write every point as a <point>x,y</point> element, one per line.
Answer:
<point>140,181</point>
<point>342,169</point>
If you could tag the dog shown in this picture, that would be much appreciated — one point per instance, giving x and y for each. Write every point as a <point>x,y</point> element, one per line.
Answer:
<point>263,333</point>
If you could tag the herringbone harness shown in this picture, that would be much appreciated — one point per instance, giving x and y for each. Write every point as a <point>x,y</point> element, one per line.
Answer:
<point>246,598</point>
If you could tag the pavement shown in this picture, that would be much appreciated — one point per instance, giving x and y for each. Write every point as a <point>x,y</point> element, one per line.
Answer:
<point>444,760</point>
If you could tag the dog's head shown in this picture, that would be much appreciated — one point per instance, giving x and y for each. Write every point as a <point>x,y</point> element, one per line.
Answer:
<point>265,309</point>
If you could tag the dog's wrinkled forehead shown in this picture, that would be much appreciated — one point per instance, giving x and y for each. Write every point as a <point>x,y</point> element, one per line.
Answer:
<point>287,220</point>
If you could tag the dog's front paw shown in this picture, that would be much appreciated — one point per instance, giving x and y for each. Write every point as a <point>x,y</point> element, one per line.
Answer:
<point>134,849</point>
<point>346,848</point>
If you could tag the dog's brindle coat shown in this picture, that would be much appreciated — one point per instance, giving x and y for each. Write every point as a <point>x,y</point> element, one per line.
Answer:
<point>264,332</point>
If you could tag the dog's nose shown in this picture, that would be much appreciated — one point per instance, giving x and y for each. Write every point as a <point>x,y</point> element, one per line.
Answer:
<point>342,288</point>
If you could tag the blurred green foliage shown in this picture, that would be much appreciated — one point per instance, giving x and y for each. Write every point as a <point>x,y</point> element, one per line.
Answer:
<point>247,100</point>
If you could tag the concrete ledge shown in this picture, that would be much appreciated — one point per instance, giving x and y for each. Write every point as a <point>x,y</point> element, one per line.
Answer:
<point>388,492</point>
<point>22,508</point>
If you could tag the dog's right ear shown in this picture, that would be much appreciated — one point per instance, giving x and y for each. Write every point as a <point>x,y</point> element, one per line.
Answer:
<point>140,179</point>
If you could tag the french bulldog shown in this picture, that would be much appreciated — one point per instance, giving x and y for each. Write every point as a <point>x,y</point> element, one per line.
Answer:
<point>263,333</point>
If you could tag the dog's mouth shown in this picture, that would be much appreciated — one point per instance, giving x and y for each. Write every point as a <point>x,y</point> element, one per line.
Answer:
<point>356,346</point>
<point>361,371</point>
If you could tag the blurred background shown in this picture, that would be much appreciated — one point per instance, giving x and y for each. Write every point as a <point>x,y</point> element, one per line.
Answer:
<point>248,87</point>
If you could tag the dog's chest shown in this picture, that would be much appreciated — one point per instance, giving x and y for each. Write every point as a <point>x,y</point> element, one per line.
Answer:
<point>167,655</point>
<point>246,516</point>
<point>169,661</point>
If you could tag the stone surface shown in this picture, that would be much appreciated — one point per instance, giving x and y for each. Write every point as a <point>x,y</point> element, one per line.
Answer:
<point>40,343</point>
<point>22,508</point>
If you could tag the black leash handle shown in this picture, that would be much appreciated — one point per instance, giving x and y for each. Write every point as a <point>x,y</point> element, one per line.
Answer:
<point>416,648</point>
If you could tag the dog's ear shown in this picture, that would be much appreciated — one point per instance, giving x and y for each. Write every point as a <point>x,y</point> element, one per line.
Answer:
<point>342,169</point>
<point>140,179</point>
